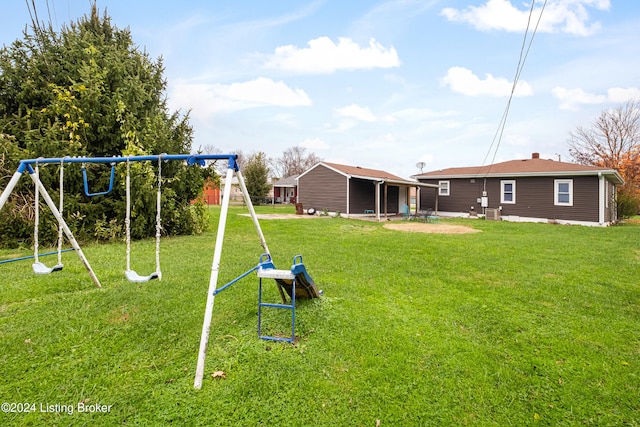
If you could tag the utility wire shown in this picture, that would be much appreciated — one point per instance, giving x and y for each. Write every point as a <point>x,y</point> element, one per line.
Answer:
<point>497,138</point>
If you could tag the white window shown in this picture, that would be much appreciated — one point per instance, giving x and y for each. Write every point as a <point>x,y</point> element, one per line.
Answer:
<point>444,188</point>
<point>563,192</point>
<point>508,191</point>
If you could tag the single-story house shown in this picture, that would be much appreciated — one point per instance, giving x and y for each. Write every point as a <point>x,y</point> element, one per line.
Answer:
<point>285,190</point>
<point>534,190</point>
<point>354,190</point>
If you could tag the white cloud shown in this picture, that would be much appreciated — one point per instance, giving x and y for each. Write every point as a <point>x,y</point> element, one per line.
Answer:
<point>357,112</point>
<point>206,99</point>
<point>621,95</point>
<point>517,140</point>
<point>421,114</point>
<point>462,80</point>
<point>314,144</point>
<point>571,99</point>
<point>568,16</point>
<point>427,158</point>
<point>323,56</point>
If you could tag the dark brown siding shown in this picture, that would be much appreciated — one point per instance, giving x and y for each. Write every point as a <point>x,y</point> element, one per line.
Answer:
<point>393,194</point>
<point>534,198</point>
<point>362,195</point>
<point>463,195</point>
<point>323,188</point>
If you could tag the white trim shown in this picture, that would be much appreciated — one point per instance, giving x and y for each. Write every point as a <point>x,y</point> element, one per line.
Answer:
<point>556,190</point>
<point>348,196</point>
<point>513,191</point>
<point>321,164</point>
<point>369,178</point>
<point>601,199</point>
<point>610,173</point>
<point>448,187</point>
<point>516,218</point>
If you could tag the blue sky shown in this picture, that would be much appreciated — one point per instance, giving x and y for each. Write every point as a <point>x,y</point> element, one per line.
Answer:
<point>380,84</point>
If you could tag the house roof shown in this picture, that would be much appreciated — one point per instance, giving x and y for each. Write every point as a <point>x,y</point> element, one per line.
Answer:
<point>368,174</point>
<point>290,181</point>
<point>523,168</point>
<point>360,172</point>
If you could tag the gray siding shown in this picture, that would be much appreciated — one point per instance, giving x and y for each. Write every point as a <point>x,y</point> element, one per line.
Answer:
<point>534,198</point>
<point>323,188</point>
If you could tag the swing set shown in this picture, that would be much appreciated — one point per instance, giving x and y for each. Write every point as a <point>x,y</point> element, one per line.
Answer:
<point>296,281</point>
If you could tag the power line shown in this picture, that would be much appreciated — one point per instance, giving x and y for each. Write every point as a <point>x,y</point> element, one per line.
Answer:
<point>497,138</point>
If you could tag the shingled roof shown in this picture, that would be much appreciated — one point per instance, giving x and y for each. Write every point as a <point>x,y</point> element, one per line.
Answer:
<point>521,168</point>
<point>369,174</point>
<point>289,181</point>
<point>360,172</point>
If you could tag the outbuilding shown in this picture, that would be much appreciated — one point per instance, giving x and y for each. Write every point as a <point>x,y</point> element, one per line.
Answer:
<point>356,191</point>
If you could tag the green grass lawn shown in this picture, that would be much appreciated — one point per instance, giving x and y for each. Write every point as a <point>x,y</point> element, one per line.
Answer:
<point>521,324</point>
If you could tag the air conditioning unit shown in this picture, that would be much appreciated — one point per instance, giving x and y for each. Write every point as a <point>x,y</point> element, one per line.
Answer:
<point>493,214</point>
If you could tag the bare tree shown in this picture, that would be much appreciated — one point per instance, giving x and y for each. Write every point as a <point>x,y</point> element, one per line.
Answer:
<point>221,166</point>
<point>612,140</point>
<point>294,161</point>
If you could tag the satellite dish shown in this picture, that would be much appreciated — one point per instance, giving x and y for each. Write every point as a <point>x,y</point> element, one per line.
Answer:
<point>420,165</point>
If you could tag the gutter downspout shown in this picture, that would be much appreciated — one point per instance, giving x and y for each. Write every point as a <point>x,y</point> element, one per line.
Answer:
<point>601,185</point>
<point>348,198</point>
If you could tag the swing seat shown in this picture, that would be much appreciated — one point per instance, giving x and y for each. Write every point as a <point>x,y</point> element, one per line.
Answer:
<point>132,276</point>
<point>40,268</point>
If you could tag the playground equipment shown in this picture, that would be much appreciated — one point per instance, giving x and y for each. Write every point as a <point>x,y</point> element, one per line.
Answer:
<point>39,267</point>
<point>131,275</point>
<point>295,282</point>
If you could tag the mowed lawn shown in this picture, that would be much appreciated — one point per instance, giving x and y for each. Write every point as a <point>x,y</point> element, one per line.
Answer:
<point>519,324</point>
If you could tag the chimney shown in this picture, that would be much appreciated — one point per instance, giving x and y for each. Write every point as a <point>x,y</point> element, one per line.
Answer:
<point>535,155</point>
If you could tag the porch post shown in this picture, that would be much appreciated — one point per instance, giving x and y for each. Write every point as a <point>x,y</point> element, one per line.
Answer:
<point>385,201</point>
<point>377,200</point>
<point>347,207</point>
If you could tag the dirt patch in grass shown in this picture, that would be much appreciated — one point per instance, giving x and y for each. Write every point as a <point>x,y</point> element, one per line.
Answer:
<point>422,227</point>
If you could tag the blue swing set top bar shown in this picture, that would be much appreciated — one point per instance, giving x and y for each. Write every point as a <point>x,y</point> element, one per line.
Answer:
<point>191,159</point>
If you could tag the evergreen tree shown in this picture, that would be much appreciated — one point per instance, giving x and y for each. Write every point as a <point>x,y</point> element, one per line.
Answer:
<point>256,173</point>
<point>88,90</point>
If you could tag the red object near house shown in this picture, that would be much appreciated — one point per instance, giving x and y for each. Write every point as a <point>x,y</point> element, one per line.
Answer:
<point>211,193</point>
